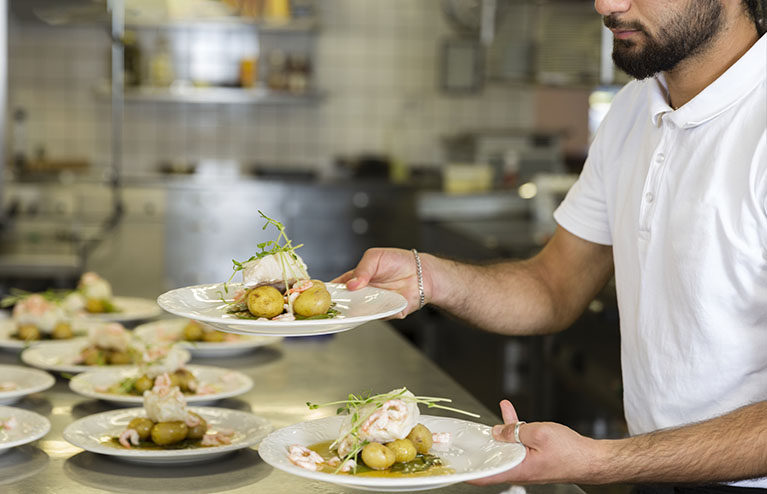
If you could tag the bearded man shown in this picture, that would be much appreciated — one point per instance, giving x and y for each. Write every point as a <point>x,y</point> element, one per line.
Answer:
<point>672,201</point>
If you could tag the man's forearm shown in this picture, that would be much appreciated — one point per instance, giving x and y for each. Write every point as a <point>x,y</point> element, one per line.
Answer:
<point>540,295</point>
<point>727,448</point>
<point>506,297</point>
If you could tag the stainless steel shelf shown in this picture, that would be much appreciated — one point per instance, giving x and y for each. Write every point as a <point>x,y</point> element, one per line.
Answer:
<point>214,95</point>
<point>292,26</point>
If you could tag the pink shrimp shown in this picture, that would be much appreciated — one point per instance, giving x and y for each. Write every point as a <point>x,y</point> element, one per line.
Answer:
<point>219,438</point>
<point>129,435</point>
<point>301,286</point>
<point>239,296</point>
<point>162,384</point>
<point>391,410</point>
<point>304,457</point>
<point>192,420</point>
<point>8,424</point>
<point>346,466</point>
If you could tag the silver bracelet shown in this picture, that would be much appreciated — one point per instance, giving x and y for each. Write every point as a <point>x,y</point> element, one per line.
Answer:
<point>419,273</point>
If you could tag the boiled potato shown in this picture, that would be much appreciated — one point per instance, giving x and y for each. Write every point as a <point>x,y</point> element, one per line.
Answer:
<point>93,356</point>
<point>213,336</point>
<point>28,332</point>
<point>164,433</point>
<point>62,331</point>
<point>265,301</point>
<point>377,456</point>
<point>119,358</point>
<point>95,306</point>
<point>143,383</point>
<point>312,302</point>
<point>192,331</point>
<point>198,430</point>
<point>143,426</point>
<point>403,449</point>
<point>421,437</point>
<point>185,380</point>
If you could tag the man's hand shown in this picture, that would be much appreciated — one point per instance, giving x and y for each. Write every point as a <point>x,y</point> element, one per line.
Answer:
<point>555,453</point>
<point>391,269</point>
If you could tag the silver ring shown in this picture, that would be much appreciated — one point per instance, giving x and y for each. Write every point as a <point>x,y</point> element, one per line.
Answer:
<point>516,431</point>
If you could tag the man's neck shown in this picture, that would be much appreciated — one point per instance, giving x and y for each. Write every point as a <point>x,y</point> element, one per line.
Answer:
<point>693,75</point>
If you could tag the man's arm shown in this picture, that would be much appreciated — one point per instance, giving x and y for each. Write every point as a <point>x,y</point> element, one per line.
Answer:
<point>543,294</point>
<point>726,448</point>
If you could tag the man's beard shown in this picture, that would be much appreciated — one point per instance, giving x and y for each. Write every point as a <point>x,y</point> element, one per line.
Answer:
<point>685,34</point>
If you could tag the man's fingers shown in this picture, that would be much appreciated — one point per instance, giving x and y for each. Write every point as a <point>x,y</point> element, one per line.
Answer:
<point>344,277</point>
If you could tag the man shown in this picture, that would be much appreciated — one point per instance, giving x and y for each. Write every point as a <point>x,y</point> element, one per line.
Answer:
<point>673,202</point>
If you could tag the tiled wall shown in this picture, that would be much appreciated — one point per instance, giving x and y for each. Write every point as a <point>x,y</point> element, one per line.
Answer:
<point>375,61</point>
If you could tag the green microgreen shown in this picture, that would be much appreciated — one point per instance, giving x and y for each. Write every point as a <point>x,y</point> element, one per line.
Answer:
<point>268,248</point>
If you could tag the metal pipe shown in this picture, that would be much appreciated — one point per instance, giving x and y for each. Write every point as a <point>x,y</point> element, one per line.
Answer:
<point>117,11</point>
<point>3,89</point>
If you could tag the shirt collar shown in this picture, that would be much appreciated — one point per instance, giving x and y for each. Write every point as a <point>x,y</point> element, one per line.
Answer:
<point>736,82</point>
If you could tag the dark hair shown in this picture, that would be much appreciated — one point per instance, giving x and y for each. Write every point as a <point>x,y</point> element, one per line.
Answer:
<point>757,11</point>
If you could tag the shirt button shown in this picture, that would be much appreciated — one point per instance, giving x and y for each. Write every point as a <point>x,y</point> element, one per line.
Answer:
<point>660,158</point>
<point>649,197</point>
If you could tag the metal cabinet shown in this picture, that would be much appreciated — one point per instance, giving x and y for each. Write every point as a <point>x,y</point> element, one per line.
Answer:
<point>208,226</point>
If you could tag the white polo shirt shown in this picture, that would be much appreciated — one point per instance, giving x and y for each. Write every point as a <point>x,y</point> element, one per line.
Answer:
<point>681,195</point>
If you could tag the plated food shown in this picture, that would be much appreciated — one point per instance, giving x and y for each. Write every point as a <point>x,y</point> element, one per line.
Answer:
<point>365,448</point>
<point>277,297</point>
<point>204,303</point>
<point>199,338</point>
<point>17,382</point>
<point>58,314</point>
<point>380,433</point>
<point>107,346</point>
<point>276,284</point>
<point>19,426</point>
<point>118,385</point>
<point>166,430</point>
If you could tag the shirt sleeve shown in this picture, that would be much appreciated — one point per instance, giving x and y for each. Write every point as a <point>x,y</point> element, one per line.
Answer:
<point>583,212</point>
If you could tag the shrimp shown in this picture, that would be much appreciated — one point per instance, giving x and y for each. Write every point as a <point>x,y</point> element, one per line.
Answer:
<point>192,420</point>
<point>441,440</point>
<point>219,438</point>
<point>394,410</point>
<point>440,437</point>
<point>301,286</point>
<point>161,383</point>
<point>346,466</point>
<point>129,435</point>
<point>304,457</point>
<point>8,424</point>
<point>204,389</point>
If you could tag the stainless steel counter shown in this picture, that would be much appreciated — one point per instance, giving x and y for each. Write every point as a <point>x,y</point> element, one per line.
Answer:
<point>287,374</point>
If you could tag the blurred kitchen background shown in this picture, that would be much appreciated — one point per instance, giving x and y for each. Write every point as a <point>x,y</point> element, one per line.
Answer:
<point>143,136</point>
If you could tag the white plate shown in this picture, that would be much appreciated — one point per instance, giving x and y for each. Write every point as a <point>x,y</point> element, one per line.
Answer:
<point>27,381</point>
<point>30,427</point>
<point>203,303</point>
<point>227,383</point>
<point>473,454</point>
<point>8,328</point>
<point>59,356</point>
<point>91,432</point>
<point>130,309</point>
<point>169,330</point>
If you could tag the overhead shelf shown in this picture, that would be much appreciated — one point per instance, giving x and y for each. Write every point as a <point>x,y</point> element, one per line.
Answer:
<point>215,95</point>
<point>291,26</point>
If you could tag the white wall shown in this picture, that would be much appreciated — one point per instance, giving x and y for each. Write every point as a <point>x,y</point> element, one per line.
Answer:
<point>377,62</point>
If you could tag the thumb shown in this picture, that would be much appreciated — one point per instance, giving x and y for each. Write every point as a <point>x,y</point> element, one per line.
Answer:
<point>506,432</point>
<point>508,412</point>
